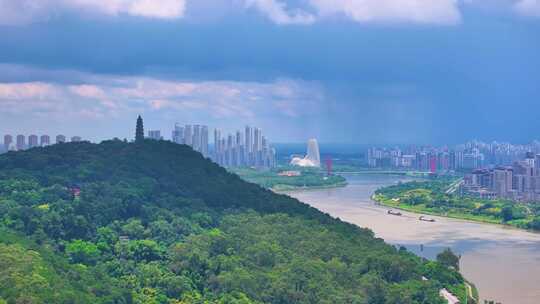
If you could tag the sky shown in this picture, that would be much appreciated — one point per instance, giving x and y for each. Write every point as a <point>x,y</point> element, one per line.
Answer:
<point>343,71</point>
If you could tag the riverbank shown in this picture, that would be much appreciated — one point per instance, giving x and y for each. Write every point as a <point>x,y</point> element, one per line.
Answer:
<point>432,197</point>
<point>381,172</point>
<point>280,187</point>
<point>290,179</point>
<point>414,209</point>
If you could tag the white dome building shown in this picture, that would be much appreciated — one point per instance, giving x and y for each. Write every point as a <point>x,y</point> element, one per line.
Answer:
<point>313,157</point>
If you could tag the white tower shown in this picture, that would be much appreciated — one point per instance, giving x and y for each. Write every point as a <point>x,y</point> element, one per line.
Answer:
<point>313,157</point>
<point>313,152</point>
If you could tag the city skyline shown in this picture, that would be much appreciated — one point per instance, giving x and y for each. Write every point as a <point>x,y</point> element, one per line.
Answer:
<point>248,149</point>
<point>518,181</point>
<point>23,142</point>
<point>469,155</point>
<point>232,130</point>
<point>441,142</point>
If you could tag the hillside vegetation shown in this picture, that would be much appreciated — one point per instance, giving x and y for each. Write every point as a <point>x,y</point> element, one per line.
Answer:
<point>431,197</point>
<point>309,178</point>
<point>155,222</point>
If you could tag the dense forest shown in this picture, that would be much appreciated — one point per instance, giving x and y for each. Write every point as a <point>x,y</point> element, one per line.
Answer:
<point>155,222</point>
<point>431,197</point>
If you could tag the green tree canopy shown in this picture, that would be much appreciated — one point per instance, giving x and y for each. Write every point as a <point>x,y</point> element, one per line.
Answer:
<point>448,258</point>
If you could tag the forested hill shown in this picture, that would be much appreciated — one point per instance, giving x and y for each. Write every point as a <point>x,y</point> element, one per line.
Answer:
<point>153,170</point>
<point>155,222</point>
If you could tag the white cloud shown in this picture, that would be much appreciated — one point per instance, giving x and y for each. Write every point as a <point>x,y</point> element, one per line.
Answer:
<point>98,97</point>
<point>26,90</point>
<point>416,11</point>
<point>444,12</point>
<point>528,7</point>
<point>88,91</point>
<point>166,9</point>
<point>17,12</point>
<point>283,12</point>
<point>278,12</point>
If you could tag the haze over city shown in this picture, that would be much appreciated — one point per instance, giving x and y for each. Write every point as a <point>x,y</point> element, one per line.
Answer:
<point>380,72</point>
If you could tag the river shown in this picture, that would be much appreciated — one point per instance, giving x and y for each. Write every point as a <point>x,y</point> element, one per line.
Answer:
<point>503,263</point>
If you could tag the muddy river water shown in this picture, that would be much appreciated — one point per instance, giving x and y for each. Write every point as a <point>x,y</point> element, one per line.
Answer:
<point>504,263</point>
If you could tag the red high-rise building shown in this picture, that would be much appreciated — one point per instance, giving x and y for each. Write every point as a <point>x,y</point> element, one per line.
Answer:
<point>329,166</point>
<point>433,164</point>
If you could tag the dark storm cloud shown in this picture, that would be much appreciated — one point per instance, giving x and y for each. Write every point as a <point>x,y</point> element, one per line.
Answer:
<point>381,82</point>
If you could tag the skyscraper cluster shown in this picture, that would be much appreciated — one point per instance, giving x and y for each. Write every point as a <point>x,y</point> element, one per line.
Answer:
<point>243,149</point>
<point>155,134</point>
<point>423,159</point>
<point>464,157</point>
<point>520,181</point>
<point>195,136</point>
<point>20,142</point>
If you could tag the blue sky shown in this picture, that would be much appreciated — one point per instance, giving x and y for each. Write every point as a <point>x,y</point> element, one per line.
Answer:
<point>356,71</point>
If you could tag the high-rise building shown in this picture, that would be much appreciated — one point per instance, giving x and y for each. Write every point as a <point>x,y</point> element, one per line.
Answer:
<point>432,163</point>
<point>249,139</point>
<point>452,161</point>
<point>407,161</point>
<point>471,161</point>
<point>45,140</point>
<point>178,134</point>
<point>21,142</point>
<point>196,144</point>
<point>204,141</point>
<point>8,140</point>
<point>265,152</point>
<point>502,181</point>
<point>195,136</point>
<point>240,149</point>
<point>257,140</point>
<point>217,137</point>
<point>217,145</point>
<point>516,182</point>
<point>154,134</point>
<point>273,162</point>
<point>223,145</point>
<point>60,139</point>
<point>188,135</point>
<point>530,159</point>
<point>33,141</point>
<point>217,141</point>
<point>76,139</point>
